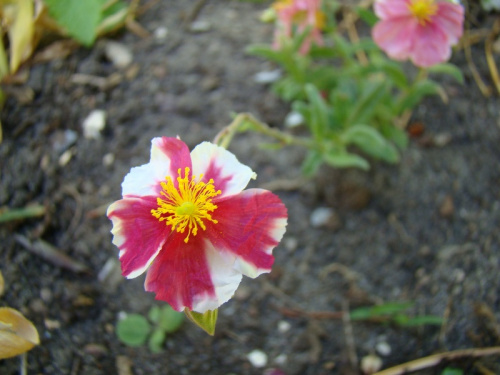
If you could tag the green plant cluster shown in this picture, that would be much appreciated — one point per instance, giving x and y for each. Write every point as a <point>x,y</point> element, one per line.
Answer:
<point>353,99</point>
<point>135,329</point>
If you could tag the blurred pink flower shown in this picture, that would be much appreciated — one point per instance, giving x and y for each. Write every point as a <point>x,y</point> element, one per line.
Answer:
<point>420,30</point>
<point>296,16</point>
<point>185,218</point>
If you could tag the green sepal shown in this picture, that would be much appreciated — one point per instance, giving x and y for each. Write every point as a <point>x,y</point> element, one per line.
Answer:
<point>205,321</point>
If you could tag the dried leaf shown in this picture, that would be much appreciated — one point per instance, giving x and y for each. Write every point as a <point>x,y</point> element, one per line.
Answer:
<point>205,321</point>
<point>21,33</point>
<point>2,284</point>
<point>17,334</point>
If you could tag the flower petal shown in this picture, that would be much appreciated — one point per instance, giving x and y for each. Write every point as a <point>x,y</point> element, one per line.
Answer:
<point>137,233</point>
<point>450,19</point>
<point>391,8</point>
<point>430,46</point>
<point>395,36</point>
<point>167,156</point>
<point>229,175</point>
<point>192,275</point>
<point>249,226</point>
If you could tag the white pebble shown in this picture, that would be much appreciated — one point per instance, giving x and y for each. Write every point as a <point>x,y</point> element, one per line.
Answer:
<point>383,348</point>
<point>119,54</point>
<point>200,26</point>
<point>267,77</point>
<point>294,119</point>
<point>281,360</point>
<point>320,217</point>
<point>108,159</point>
<point>284,326</point>
<point>257,358</point>
<point>94,124</point>
<point>370,364</point>
<point>161,33</point>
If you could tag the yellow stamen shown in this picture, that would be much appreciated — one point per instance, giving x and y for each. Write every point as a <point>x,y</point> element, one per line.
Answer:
<point>187,205</point>
<point>423,10</point>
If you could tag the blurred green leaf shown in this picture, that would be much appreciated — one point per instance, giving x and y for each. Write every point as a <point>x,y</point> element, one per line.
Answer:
<point>452,371</point>
<point>345,160</point>
<point>154,314</point>
<point>311,163</point>
<point>370,141</point>
<point>27,212</point>
<point>133,330</point>
<point>416,93</point>
<point>419,320</point>
<point>156,340</point>
<point>170,320</point>
<point>447,68</point>
<point>79,18</point>
<point>386,309</point>
<point>367,15</point>
<point>396,135</point>
<point>319,112</point>
<point>371,95</point>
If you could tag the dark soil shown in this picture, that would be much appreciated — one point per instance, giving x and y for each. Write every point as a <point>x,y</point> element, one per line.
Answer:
<point>424,231</point>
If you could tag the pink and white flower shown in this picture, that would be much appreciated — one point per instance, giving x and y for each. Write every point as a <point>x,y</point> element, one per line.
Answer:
<point>296,16</point>
<point>420,30</point>
<point>185,219</point>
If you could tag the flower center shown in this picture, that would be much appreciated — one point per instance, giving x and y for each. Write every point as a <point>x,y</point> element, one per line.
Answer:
<point>423,10</point>
<point>188,205</point>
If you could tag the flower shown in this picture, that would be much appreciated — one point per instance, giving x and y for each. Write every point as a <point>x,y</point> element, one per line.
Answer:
<point>302,14</point>
<point>185,218</point>
<point>420,30</point>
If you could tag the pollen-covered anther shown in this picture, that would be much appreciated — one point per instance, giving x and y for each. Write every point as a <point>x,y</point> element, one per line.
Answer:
<point>188,205</point>
<point>423,10</point>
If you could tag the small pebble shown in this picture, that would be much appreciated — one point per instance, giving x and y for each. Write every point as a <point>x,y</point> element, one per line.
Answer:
<point>118,53</point>
<point>200,26</point>
<point>320,217</point>
<point>283,326</point>
<point>370,364</point>
<point>65,157</point>
<point>94,124</point>
<point>281,360</point>
<point>257,358</point>
<point>160,34</point>
<point>383,348</point>
<point>294,119</point>
<point>267,77</point>
<point>108,159</point>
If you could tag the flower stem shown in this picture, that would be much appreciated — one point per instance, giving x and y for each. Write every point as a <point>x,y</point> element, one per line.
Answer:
<point>246,122</point>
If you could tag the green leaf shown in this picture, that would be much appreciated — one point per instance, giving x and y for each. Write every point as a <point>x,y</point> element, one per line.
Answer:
<point>113,16</point>
<point>156,340</point>
<point>416,93</point>
<point>345,160</point>
<point>154,314</point>
<point>312,163</point>
<point>319,112</point>
<point>21,213</point>
<point>452,371</point>
<point>386,309</point>
<point>367,15</point>
<point>170,320</point>
<point>419,321</point>
<point>79,18</point>
<point>205,321</point>
<point>396,135</point>
<point>133,330</point>
<point>370,141</point>
<point>372,94</point>
<point>447,68</point>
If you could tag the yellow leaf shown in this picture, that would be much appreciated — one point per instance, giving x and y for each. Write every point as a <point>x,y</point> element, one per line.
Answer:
<point>21,33</point>
<point>2,283</point>
<point>17,334</point>
<point>205,321</point>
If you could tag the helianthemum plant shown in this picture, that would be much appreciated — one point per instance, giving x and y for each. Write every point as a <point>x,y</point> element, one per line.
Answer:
<point>186,219</point>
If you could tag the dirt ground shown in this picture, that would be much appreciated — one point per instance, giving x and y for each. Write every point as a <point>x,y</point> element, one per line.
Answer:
<point>425,230</point>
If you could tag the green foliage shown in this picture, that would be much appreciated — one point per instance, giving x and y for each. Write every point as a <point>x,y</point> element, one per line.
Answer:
<point>134,330</point>
<point>394,312</point>
<point>452,371</point>
<point>353,98</point>
<point>84,20</point>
